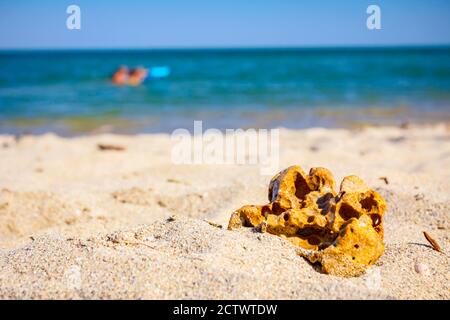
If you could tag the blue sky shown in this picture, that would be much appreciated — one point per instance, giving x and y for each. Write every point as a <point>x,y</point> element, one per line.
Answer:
<point>226,23</point>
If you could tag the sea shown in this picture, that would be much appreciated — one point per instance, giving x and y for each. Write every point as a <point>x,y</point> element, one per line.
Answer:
<point>69,92</point>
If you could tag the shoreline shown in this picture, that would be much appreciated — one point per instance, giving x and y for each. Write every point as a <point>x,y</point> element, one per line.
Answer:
<point>80,222</point>
<point>327,118</point>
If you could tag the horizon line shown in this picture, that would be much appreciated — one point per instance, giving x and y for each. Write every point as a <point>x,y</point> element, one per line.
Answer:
<point>262,47</point>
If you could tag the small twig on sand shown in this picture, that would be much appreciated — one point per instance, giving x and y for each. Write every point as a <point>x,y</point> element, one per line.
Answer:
<point>171,218</point>
<point>433,242</point>
<point>106,147</point>
<point>385,179</point>
<point>214,224</point>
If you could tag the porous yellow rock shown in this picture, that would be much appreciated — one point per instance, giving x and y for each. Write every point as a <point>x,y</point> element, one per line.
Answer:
<point>341,231</point>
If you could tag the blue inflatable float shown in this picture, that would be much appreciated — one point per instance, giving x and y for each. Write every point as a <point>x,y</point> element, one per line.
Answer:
<point>159,72</point>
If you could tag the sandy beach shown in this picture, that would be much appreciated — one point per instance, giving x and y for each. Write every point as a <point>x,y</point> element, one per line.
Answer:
<point>78,222</point>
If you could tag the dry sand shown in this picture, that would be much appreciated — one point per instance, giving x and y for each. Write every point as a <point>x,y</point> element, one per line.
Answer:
<point>78,222</point>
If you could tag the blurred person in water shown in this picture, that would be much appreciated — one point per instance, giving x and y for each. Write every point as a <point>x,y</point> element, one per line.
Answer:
<point>137,76</point>
<point>120,76</point>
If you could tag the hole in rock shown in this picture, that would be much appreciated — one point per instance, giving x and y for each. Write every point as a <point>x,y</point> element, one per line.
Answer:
<point>347,212</point>
<point>276,208</point>
<point>306,232</point>
<point>368,203</point>
<point>376,220</point>
<point>265,210</point>
<point>301,187</point>
<point>314,241</point>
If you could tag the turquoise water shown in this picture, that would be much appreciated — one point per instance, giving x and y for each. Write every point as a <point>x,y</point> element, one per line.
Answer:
<point>68,91</point>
